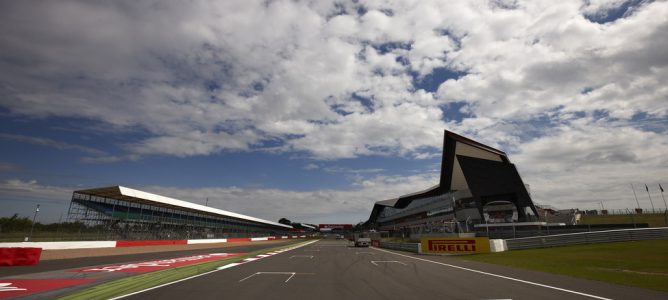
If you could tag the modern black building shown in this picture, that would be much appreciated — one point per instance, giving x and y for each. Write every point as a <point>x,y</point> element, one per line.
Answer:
<point>478,184</point>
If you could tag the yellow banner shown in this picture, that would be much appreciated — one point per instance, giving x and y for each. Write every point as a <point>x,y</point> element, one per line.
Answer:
<point>455,245</point>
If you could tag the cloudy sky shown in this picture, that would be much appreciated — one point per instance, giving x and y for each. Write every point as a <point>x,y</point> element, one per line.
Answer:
<point>314,110</point>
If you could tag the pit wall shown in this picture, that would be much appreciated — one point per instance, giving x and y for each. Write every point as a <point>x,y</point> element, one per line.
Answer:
<point>134,243</point>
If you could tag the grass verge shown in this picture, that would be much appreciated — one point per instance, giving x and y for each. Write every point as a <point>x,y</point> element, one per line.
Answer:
<point>147,280</point>
<point>654,220</point>
<point>639,263</point>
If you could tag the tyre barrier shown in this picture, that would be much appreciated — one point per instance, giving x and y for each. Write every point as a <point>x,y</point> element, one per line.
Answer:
<point>19,256</point>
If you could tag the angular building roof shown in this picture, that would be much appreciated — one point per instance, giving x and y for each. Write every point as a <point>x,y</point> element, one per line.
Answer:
<point>137,196</point>
<point>467,165</point>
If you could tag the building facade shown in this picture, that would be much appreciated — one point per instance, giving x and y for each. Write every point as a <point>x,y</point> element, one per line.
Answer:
<point>478,184</point>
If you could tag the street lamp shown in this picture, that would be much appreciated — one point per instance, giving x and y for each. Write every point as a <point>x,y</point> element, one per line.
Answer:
<point>33,222</point>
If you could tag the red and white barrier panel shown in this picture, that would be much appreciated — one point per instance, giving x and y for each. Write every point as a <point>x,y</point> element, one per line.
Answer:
<point>62,245</point>
<point>19,256</point>
<point>134,243</point>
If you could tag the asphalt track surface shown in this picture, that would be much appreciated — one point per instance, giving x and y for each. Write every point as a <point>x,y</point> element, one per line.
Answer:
<point>64,264</point>
<point>331,269</point>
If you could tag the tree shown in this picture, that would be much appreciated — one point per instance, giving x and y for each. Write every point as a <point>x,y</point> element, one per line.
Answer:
<point>285,221</point>
<point>15,223</point>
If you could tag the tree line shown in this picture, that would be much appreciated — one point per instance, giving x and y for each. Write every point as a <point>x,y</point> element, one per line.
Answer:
<point>23,224</point>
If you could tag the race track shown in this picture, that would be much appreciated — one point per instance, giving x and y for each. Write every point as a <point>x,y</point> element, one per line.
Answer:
<point>332,270</point>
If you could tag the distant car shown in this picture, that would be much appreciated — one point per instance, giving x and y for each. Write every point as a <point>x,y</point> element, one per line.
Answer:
<point>362,240</point>
<point>339,237</point>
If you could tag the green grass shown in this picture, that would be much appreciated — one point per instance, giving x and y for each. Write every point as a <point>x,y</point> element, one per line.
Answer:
<point>654,220</point>
<point>147,280</point>
<point>639,263</point>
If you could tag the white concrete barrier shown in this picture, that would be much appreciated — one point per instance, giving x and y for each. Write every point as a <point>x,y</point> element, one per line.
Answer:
<point>104,244</point>
<point>207,241</point>
<point>497,245</point>
<point>62,245</point>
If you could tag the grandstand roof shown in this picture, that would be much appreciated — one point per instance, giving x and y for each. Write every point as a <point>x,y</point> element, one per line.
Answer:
<point>137,196</point>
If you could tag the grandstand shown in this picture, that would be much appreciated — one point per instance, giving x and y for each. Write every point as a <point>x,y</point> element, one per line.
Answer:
<point>478,184</point>
<point>132,214</point>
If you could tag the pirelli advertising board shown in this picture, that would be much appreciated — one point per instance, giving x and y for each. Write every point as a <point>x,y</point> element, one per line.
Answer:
<point>455,245</point>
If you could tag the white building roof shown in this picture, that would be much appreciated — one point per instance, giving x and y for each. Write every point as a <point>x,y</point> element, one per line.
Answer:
<point>137,196</point>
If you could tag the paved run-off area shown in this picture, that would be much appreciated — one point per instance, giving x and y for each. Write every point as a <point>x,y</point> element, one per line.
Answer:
<point>333,270</point>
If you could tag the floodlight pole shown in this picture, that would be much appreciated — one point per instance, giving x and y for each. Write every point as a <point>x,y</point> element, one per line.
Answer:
<point>650,199</point>
<point>33,222</point>
<point>664,200</point>
<point>634,195</point>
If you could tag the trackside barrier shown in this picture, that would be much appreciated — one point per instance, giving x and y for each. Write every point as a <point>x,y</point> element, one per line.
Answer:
<point>207,241</point>
<point>62,245</point>
<point>454,245</point>
<point>588,238</point>
<point>410,247</point>
<point>135,243</point>
<point>130,243</point>
<point>235,240</point>
<point>497,245</point>
<point>19,256</point>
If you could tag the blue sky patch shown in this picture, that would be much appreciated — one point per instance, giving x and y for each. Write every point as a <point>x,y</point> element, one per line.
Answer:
<point>615,13</point>
<point>453,111</point>
<point>433,80</point>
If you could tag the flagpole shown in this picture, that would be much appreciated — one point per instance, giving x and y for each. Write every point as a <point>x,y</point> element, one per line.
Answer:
<point>650,198</point>
<point>664,199</point>
<point>634,195</point>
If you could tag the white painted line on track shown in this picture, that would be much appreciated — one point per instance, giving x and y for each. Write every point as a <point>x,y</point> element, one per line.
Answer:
<point>251,259</point>
<point>227,266</point>
<point>292,274</point>
<point>375,262</point>
<point>198,275</point>
<point>498,276</point>
<point>300,256</point>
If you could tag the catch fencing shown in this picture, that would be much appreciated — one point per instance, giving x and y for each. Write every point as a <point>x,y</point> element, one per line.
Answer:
<point>606,236</point>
